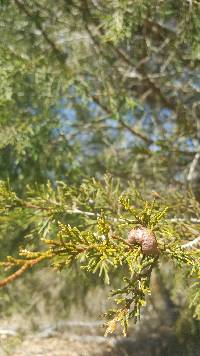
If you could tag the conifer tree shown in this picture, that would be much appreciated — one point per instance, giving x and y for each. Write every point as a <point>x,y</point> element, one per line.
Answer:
<point>100,143</point>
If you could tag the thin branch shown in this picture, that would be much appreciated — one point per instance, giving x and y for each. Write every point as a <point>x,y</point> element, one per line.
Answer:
<point>148,80</point>
<point>27,265</point>
<point>96,215</point>
<point>190,220</point>
<point>161,27</point>
<point>192,244</point>
<point>14,276</point>
<point>121,121</point>
<point>59,53</point>
<point>136,133</point>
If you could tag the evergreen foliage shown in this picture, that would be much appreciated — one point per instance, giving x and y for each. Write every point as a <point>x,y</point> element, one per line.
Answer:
<point>89,88</point>
<point>100,245</point>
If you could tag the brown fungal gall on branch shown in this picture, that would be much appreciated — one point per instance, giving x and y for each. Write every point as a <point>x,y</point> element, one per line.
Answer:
<point>146,239</point>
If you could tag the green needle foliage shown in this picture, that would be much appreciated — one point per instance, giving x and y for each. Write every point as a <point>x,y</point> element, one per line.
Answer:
<point>100,88</point>
<point>99,244</point>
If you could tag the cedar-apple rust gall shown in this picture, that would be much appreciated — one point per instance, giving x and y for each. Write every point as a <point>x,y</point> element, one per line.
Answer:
<point>146,239</point>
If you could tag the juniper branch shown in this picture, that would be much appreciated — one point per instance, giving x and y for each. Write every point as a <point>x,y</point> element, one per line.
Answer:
<point>25,266</point>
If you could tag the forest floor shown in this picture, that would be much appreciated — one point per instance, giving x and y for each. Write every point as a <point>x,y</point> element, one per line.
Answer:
<point>81,339</point>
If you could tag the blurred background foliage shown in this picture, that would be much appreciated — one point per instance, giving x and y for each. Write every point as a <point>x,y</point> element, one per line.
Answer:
<point>90,87</point>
